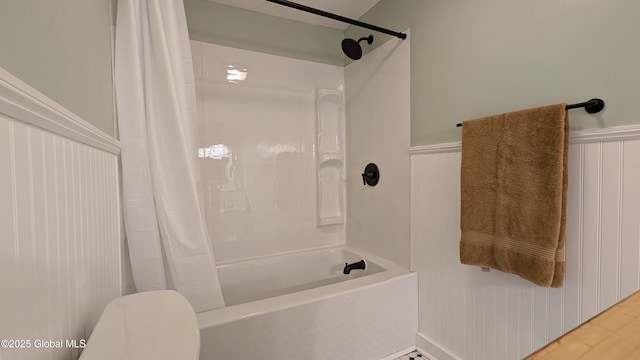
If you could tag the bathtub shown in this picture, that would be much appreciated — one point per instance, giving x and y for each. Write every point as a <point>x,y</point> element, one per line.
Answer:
<point>301,306</point>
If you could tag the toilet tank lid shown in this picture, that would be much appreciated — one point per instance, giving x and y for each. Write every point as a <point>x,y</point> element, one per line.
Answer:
<point>149,325</point>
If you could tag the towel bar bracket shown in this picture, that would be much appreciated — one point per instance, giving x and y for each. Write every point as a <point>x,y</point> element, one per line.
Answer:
<point>592,106</point>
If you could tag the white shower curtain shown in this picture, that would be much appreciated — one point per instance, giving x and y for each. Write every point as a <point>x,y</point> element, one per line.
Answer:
<point>155,97</point>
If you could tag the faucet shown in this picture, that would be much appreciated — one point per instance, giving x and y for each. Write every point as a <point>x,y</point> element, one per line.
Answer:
<point>360,265</point>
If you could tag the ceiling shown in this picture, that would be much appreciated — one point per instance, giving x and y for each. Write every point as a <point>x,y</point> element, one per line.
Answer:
<point>347,8</point>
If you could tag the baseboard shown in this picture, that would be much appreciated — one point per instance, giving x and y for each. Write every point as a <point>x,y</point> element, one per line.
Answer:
<point>432,350</point>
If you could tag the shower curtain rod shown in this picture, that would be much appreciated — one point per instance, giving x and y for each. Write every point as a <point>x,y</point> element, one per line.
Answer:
<point>338,17</point>
<point>592,106</point>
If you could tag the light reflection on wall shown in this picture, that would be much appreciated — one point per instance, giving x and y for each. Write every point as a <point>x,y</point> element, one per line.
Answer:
<point>217,152</point>
<point>236,74</point>
<point>232,195</point>
<point>269,151</point>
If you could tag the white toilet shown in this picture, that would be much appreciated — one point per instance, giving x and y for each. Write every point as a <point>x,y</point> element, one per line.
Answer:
<point>155,325</point>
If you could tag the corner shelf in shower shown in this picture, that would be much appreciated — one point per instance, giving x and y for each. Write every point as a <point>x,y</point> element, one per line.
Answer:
<point>330,157</point>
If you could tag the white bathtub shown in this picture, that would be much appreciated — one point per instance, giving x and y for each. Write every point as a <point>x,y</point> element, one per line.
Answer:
<point>301,306</point>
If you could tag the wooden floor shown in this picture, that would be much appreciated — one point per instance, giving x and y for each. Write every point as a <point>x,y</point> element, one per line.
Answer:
<point>614,334</point>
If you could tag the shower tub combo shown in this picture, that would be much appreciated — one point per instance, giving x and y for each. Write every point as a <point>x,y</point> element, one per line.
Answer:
<point>304,306</point>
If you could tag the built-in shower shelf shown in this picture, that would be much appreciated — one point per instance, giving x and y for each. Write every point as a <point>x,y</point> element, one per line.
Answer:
<point>330,156</point>
<point>336,220</point>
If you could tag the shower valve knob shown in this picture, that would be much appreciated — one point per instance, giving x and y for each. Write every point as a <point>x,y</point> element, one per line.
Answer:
<point>364,178</point>
<point>371,175</point>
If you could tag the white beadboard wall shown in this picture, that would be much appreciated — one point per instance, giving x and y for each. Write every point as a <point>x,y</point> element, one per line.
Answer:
<point>59,223</point>
<point>468,314</point>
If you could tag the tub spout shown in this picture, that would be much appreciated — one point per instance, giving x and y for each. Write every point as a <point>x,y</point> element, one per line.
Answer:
<point>360,265</point>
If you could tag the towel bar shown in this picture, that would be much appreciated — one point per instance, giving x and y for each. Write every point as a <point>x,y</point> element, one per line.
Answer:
<point>592,106</point>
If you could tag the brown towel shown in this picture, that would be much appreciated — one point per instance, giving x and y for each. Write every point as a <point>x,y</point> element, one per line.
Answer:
<point>514,193</point>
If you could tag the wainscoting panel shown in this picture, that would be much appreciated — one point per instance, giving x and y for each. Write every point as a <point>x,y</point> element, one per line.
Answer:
<point>469,314</point>
<point>59,225</point>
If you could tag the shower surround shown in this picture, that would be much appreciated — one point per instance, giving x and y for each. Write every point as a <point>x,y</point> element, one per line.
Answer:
<point>257,126</point>
<point>260,118</point>
<point>274,183</point>
<point>273,171</point>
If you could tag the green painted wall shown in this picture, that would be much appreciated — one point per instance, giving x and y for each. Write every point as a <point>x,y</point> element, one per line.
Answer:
<point>244,29</point>
<point>468,58</point>
<point>63,49</point>
<point>474,58</point>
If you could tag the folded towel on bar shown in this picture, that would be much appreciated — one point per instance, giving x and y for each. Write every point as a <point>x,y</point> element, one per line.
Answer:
<point>514,193</point>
